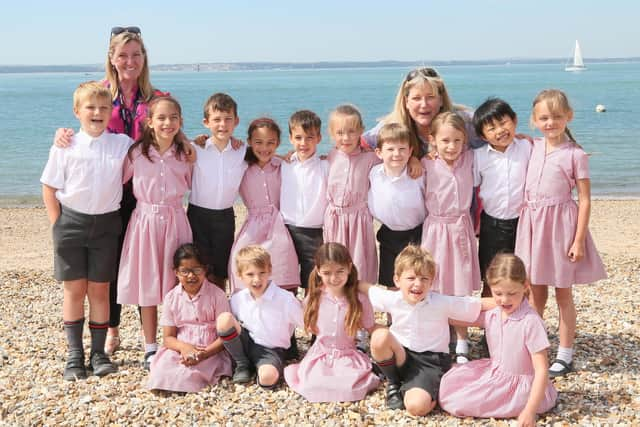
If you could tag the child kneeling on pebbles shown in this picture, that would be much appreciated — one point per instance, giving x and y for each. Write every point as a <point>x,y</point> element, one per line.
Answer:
<point>414,352</point>
<point>264,317</point>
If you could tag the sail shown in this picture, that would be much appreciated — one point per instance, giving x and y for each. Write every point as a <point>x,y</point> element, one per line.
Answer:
<point>577,56</point>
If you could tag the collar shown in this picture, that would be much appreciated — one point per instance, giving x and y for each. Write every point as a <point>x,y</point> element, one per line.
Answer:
<point>337,300</point>
<point>197,296</point>
<point>313,159</point>
<point>268,294</point>
<point>509,148</point>
<point>521,312</point>
<point>153,152</point>
<point>425,301</point>
<point>84,138</point>
<point>210,144</point>
<point>403,175</point>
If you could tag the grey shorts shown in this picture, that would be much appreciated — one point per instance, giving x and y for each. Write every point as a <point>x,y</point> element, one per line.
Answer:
<point>424,370</point>
<point>86,246</point>
<point>260,355</point>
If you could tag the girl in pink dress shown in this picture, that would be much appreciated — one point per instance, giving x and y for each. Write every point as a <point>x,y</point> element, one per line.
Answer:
<point>553,238</point>
<point>260,192</point>
<point>448,229</point>
<point>514,381</point>
<point>347,219</point>
<point>192,356</point>
<point>333,370</point>
<point>161,176</point>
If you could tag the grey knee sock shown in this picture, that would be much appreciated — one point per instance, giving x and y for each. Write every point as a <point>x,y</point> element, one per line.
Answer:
<point>233,344</point>
<point>73,330</point>
<point>98,336</point>
<point>390,370</point>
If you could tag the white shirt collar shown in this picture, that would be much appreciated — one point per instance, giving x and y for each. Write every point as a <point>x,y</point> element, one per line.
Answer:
<point>211,144</point>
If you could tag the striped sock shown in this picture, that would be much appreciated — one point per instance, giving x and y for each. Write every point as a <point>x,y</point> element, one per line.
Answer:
<point>233,344</point>
<point>98,336</point>
<point>389,369</point>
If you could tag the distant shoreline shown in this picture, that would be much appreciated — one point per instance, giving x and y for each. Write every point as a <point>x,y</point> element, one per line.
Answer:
<point>255,66</point>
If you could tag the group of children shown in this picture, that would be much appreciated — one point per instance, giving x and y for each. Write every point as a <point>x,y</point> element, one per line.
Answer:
<point>310,224</point>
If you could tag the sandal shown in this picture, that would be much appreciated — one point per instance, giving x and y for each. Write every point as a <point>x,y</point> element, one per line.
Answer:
<point>464,356</point>
<point>111,344</point>
<point>566,368</point>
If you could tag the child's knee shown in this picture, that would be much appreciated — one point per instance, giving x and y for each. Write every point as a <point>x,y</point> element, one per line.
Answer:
<point>268,376</point>
<point>418,402</point>
<point>225,321</point>
<point>381,339</point>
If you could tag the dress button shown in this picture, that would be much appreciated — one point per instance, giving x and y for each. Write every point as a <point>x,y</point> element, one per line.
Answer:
<point>161,173</point>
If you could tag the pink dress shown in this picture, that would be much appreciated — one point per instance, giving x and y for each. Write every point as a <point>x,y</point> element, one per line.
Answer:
<point>549,218</point>
<point>264,226</point>
<point>447,232</point>
<point>157,227</point>
<point>347,219</point>
<point>499,387</point>
<point>195,320</point>
<point>333,370</point>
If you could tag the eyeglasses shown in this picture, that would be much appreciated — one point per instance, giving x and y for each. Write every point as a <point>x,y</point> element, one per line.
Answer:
<point>184,272</point>
<point>119,30</point>
<point>426,72</point>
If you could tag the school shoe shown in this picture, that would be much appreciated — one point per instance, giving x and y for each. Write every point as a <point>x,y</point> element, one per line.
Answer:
<point>242,374</point>
<point>394,398</point>
<point>101,365</point>
<point>148,357</point>
<point>566,368</point>
<point>74,369</point>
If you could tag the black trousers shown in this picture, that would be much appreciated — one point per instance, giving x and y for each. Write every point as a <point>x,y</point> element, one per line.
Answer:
<point>391,244</point>
<point>496,236</point>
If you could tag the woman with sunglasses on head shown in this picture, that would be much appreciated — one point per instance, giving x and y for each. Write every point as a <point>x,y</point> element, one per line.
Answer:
<point>127,76</point>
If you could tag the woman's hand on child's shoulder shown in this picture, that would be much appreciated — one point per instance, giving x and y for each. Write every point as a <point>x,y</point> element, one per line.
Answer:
<point>200,140</point>
<point>414,168</point>
<point>62,138</point>
<point>524,136</point>
<point>236,143</point>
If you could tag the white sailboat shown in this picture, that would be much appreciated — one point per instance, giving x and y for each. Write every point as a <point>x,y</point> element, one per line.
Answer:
<point>578,63</point>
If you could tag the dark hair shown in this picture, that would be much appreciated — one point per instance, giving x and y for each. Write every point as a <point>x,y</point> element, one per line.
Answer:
<point>147,138</point>
<point>261,122</point>
<point>220,102</point>
<point>187,251</point>
<point>306,119</point>
<point>491,110</point>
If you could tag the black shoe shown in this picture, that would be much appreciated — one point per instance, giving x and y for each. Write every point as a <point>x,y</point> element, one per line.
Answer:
<point>394,397</point>
<point>101,365</point>
<point>242,374</point>
<point>74,369</point>
<point>147,360</point>
<point>566,368</point>
<point>292,352</point>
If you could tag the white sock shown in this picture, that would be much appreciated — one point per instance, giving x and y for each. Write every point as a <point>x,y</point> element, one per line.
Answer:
<point>148,348</point>
<point>462,346</point>
<point>564,354</point>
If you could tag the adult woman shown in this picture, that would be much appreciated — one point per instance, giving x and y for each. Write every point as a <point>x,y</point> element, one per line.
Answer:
<point>421,96</point>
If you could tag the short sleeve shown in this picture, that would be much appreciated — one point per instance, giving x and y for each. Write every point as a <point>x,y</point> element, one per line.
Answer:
<point>370,137</point>
<point>465,309</point>
<point>379,298</point>
<point>234,303</point>
<point>169,308</point>
<point>53,173</point>
<point>294,308</point>
<point>477,179</point>
<point>580,164</point>
<point>367,320</point>
<point>221,302</point>
<point>535,333</point>
<point>127,170</point>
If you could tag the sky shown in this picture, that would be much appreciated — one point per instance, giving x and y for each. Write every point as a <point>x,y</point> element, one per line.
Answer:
<point>77,32</point>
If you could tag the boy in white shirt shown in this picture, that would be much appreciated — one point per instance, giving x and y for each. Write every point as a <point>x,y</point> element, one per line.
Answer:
<point>395,199</point>
<point>82,190</point>
<point>414,352</point>
<point>264,317</point>
<point>500,170</point>
<point>215,186</point>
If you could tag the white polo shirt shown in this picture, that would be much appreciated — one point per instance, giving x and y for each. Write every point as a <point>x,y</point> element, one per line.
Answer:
<point>501,177</point>
<point>88,173</point>
<point>396,201</point>
<point>270,319</point>
<point>425,325</point>
<point>217,175</point>
<point>303,195</point>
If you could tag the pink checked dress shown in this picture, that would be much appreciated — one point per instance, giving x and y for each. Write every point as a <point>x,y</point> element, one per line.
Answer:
<point>195,320</point>
<point>499,387</point>
<point>333,370</point>
<point>549,218</point>
<point>264,226</point>
<point>447,232</point>
<point>347,219</point>
<point>157,227</point>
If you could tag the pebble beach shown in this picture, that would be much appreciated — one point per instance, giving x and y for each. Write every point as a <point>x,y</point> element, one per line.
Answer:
<point>603,390</point>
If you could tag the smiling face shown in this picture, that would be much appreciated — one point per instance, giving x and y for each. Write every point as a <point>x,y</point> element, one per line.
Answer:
<point>500,132</point>
<point>191,275</point>
<point>394,155</point>
<point>413,285</point>
<point>551,122</point>
<point>94,113</point>
<point>264,142</point>
<point>255,278</point>
<point>508,295</point>
<point>304,142</point>
<point>448,142</point>
<point>423,104</point>
<point>128,60</point>
<point>334,276</point>
<point>346,132</point>
<point>221,125</point>
<point>165,121</point>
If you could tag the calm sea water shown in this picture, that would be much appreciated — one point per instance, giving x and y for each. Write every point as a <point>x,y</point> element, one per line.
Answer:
<point>34,105</point>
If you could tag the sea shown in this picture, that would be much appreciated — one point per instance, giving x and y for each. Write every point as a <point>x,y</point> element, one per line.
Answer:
<point>34,105</point>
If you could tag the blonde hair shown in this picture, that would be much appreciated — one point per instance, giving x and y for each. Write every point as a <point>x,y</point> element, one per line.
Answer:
<point>111,74</point>
<point>449,118</point>
<point>393,132</point>
<point>338,254</point>
<point>417,259</point>
<point>348,110</point>
<point>90,89</point>
<point>506,266</point>
<point>556,101</point>
<point>424,76</point>
<point>252,255</point>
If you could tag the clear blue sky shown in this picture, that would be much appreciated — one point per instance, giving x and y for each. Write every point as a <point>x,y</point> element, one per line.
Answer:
<point>74,32</point>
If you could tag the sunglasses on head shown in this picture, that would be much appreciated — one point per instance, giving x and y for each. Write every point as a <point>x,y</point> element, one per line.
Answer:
<point>119,30</point>
<point>425,72</point>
